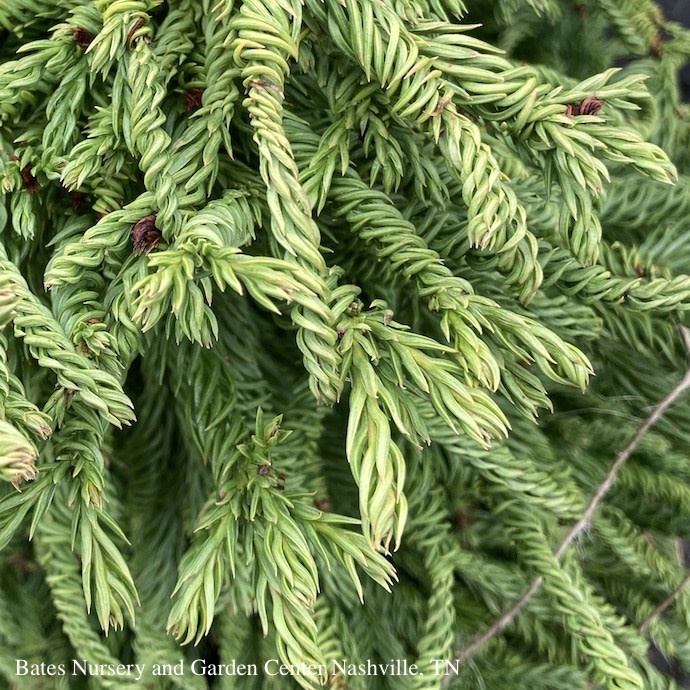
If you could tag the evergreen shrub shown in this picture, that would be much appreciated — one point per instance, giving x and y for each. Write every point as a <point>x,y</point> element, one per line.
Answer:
<point>325,326</point>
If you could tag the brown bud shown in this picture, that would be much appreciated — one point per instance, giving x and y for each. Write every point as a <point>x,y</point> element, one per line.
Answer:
<point>192,99</point>
<point>325,505</point>
<point>29,182</point>
<point>77,200</point>
<point>589,106</point>
<point>462,519</point>
<point>146,235</point>
<point>263,470</point>
<point>82,37</point>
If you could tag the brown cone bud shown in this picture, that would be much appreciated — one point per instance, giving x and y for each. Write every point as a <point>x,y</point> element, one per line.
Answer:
<point>82,37</point>
<point>192,99</point>
<point>146,235</point>
<point>589,106</point>
<point>29,182</point>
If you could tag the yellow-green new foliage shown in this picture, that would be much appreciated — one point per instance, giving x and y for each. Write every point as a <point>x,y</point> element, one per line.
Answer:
<point>321,322</point>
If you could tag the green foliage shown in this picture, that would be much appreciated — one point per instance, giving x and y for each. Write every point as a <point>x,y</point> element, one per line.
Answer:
<point>300,308</point>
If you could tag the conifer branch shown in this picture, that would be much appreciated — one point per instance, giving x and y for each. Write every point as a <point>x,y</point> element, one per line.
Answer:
<point>507,617</point>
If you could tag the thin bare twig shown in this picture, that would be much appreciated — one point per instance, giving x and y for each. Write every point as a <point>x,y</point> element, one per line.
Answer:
<point>507,617</point>
<point>664,604</point>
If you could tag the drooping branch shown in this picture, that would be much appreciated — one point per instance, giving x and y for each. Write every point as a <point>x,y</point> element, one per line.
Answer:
<point>507,617</point>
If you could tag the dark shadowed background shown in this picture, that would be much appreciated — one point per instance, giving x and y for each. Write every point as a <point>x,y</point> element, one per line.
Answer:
<point>679,11</point>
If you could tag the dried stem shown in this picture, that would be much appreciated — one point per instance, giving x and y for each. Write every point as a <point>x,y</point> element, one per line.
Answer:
<point>507,617</point>
<point>664,604</point>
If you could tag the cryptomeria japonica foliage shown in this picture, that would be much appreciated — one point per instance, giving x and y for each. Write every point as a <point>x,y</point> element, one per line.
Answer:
<point>325,325</point>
